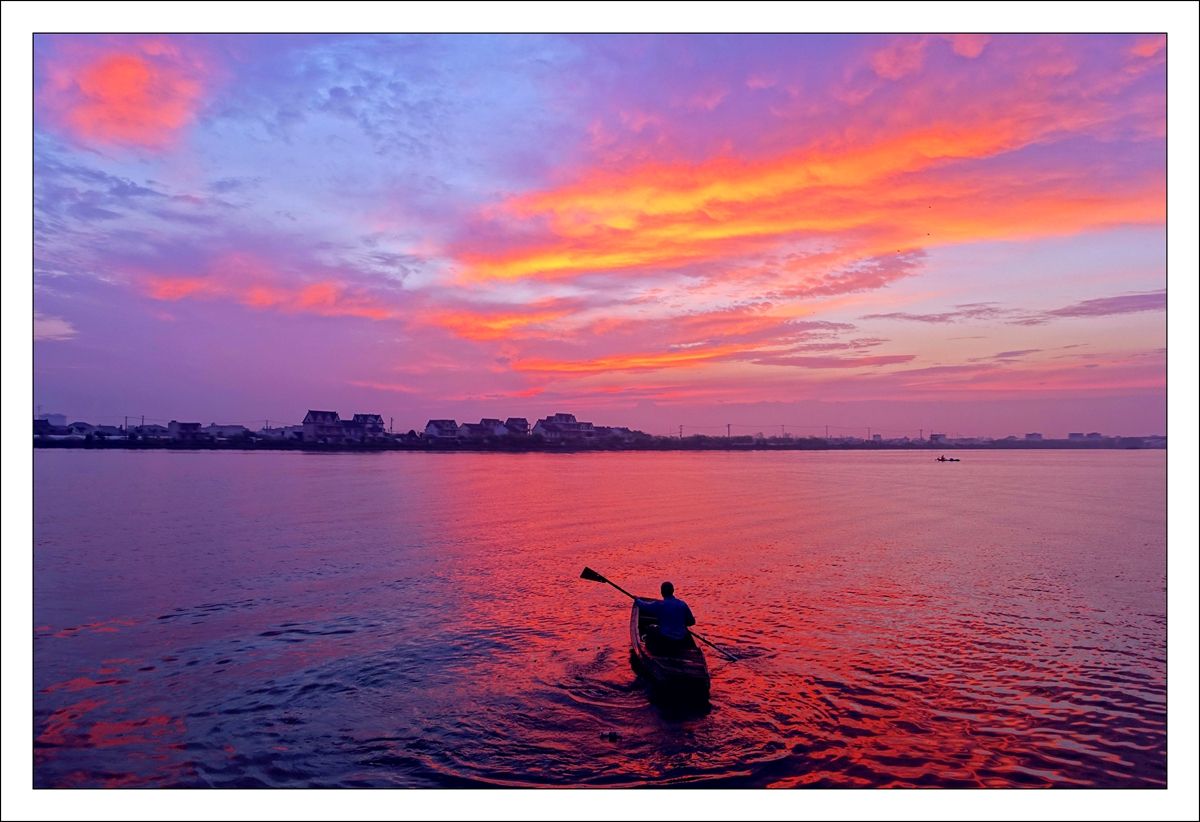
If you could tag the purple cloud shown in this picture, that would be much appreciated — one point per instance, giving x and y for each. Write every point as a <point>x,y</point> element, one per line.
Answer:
<point>1103,307</point>
<point>966,311</point>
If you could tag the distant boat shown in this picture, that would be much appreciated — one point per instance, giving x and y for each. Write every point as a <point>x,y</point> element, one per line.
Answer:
<point>679,677</point>
<point>947,459</point>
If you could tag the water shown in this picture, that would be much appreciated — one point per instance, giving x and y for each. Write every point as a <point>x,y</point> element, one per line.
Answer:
<point>304,620</point>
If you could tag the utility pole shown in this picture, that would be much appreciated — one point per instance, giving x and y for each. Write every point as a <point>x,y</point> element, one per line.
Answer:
<point>727,427</point>
<point>827,432</point>
<point>391,422</point>
<point>782,431</point>
<point>681,432</point>
<point>143,420</point>
<point>921,433</point>
<point>868,432</point>
<point>126,428</point>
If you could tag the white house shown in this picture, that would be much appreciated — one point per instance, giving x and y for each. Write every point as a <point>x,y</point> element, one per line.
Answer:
<point>561,427</point>
<point>322,426</point>
<point>283,432</point>
<point>484,428</point>
<point>372,426</point>
<point>441,429</point>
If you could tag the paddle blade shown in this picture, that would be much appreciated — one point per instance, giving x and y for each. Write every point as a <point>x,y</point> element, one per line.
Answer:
<point>588,573</point>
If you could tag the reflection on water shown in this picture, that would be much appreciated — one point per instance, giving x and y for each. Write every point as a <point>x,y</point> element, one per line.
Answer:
<point>295,620</point>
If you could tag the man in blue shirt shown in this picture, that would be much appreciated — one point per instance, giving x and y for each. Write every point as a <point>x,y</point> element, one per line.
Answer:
<point>674,617</point>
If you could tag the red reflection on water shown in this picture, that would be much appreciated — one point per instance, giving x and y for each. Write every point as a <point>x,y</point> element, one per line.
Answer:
<point>108,626</point>
<point>141,732</point>
<point>63,723</point>
<point>82,683</point>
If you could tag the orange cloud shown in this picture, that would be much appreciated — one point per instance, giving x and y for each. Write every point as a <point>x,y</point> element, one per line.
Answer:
<point>659,215</point>
<point>251,282</point>
<point>142,94</point>
<point>634,362</point>
<point>484,325</point>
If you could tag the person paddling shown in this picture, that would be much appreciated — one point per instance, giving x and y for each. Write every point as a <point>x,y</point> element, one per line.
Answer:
<point>674,617</point>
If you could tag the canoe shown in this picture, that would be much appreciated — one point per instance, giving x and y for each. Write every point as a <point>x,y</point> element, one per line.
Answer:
<point>680,675</point>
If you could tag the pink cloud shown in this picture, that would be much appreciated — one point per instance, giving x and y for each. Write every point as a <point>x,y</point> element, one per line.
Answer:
<point>900,58</point>
<point>968,45</point>
<point>256,283</point>
<point>142,92</point>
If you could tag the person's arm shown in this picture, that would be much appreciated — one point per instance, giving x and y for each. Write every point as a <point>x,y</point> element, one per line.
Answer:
<point>689,620</point>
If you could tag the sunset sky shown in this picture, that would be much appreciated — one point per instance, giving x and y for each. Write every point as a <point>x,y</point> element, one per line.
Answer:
<point>955,233</point>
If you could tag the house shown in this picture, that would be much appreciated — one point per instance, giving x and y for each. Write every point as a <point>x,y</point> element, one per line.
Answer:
<point>1095,435</point>
<point>184,431</point>
<point>42,428</point>
<point>225,432</point>
<point>150,432</point>
<point>55,420</point>
<point>517,426</point>
<point>563,427</point>
<point>353,431</point>
<point>484,428</point>
<point>372,426</point>
<point>936,438</point>
<point>1075,435</point>
<point>494,427</point>
<point>1034,437</point>
<point>441,429</point>
<point>322,426</point>
<point>82,428</point>
<point>288,433</point>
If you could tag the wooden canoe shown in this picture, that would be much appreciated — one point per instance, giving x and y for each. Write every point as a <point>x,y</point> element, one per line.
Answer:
<point>680,675</point>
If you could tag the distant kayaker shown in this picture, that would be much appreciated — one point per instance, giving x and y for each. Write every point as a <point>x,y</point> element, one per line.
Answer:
<point>674,617</point>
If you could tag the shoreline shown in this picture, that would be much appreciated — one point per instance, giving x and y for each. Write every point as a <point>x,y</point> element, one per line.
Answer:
<point>713,444</point>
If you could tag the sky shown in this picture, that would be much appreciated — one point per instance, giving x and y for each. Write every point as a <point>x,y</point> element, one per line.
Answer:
<point>887,234</point>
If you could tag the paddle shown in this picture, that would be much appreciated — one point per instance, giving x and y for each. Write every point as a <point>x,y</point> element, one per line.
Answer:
<point>591,575</point>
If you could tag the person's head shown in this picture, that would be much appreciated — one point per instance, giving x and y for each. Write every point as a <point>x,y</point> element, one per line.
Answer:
<point>668,590</point>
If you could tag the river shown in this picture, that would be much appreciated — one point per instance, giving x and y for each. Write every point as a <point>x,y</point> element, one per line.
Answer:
<point>240,619</point>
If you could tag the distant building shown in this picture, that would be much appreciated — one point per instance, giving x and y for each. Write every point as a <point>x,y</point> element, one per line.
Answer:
<point>937,438</point>
<point>287,433</point>
<point>877,438</point>
<point>1034,437</point>
<point>184,431</point>
<point>563,428</point>
<point>352,431</point>
<point>1095,435</point>
<point>225,432</point>
<point>486,427</point>
<point>517,426</point>
<point>322,426</point>
<point>441,430</point>
<point>1075,435</point>
<point>41,427</point>
<point>372,426</point>
<point>55,420</point>
<point>82,428</point>
<point>151,432</point>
